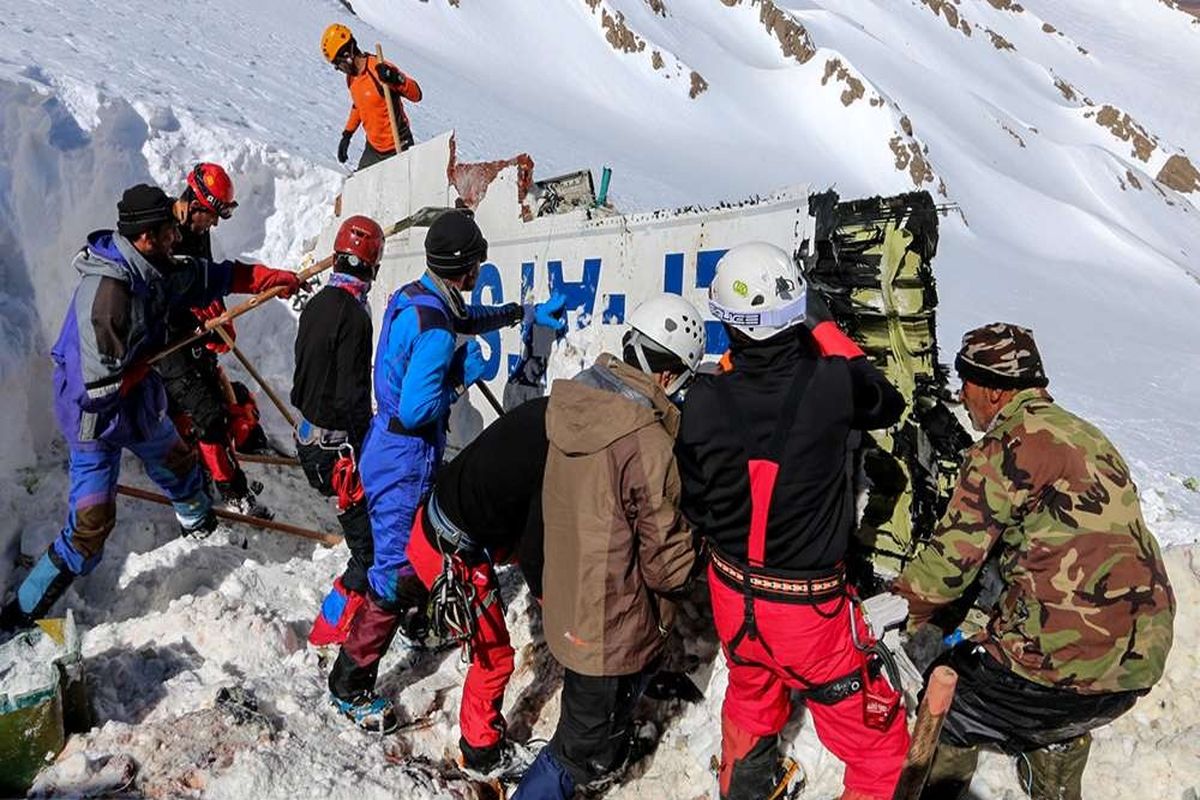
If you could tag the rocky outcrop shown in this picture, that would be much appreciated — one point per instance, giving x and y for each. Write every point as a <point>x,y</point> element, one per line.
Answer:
<point>854,87</point>
<point>793,38</point>
<point>1125,128</point>
<point>1180,174</point>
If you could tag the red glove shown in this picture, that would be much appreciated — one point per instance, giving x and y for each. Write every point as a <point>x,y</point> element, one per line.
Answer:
<point>255,278</point>
<point>833,343</point>
<point>211,311</point>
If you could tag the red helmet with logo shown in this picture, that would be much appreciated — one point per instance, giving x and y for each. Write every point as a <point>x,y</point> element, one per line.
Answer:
<point>213,189</point>
<point>362,238</point>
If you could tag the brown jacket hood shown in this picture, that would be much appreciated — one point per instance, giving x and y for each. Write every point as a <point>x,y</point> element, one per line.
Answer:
<point>593,410</point>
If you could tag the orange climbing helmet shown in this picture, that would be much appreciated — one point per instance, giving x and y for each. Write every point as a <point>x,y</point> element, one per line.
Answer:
<point>336,37</point>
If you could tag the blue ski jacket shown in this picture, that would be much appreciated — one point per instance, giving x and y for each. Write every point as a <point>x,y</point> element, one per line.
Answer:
<point>117,316</point>
<point>416,375</point>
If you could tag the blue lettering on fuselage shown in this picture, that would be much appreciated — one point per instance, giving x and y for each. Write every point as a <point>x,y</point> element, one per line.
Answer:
<point>581,297</point>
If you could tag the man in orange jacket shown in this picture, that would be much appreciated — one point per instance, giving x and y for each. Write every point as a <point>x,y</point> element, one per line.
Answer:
<point>367,78</point>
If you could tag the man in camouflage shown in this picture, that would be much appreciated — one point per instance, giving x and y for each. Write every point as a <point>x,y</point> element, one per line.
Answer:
<point>1084,622</point>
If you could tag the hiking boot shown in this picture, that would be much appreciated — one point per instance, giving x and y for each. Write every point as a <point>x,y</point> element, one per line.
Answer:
<point>202,529</point>
<point>506,761</point>
<point>369,711</point>
<point>243,499</point>
<point>249,506</point>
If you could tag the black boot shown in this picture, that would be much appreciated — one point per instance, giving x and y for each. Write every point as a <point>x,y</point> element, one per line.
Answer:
<point>13,620</point>
<point>239,496</point>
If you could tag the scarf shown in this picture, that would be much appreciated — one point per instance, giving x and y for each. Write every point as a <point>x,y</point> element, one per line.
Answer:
<point>357,287</point>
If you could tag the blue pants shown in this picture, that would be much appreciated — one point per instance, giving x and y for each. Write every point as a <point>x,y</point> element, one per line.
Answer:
<point>92,510</point>
<point>397,474</point>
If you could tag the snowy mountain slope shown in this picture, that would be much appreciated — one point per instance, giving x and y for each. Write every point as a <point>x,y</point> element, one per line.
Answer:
<point>872,96</point>
<point>1063,225</point>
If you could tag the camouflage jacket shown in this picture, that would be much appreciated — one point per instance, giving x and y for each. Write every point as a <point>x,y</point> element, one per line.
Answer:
<point>1086,603</point>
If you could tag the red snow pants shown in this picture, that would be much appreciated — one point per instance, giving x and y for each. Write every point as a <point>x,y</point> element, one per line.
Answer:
<point>812,642</point>
<point>479,717</point>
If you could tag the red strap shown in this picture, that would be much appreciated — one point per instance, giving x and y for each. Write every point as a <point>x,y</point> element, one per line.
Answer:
<point>833,343</point>
<point>346,482</point>
<point>762,485</point>
<point>216,459</point>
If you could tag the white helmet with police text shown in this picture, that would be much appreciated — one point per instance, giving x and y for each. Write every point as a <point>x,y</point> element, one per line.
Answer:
<point>668,324</point>
<point>757,290</point>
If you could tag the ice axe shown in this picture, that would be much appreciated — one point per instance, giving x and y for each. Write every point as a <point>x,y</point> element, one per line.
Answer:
<point>422,217</point>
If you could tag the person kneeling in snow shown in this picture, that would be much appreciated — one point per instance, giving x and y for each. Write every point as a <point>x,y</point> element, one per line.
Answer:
<point>1084,623</point>
<point>203,403</point>
<point>765,462</point>
<point>419,374</point>
<point>332,389</point>
<point>617,548</point>
<point>106,397</point>
<point>485,509</point>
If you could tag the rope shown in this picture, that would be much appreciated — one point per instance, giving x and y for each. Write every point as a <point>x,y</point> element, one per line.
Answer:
<point>451,608</point>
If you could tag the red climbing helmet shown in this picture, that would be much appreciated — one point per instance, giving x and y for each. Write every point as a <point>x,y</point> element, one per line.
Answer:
<point>362,238</point>
<point>213,189</point>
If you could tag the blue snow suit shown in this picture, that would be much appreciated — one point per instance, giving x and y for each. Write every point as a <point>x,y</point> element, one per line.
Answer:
<point>417,378</point>
<point>105,401</point>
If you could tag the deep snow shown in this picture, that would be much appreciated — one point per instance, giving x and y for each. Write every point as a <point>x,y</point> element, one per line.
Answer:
<point>1053,233</point>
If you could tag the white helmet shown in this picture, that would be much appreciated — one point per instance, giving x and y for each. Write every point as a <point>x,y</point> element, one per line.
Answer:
<point>757,290</point>
<point>668,324</point>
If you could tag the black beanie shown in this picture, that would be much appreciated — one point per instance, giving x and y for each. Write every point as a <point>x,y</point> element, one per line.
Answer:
<point>454,243</point>
<point>142,208</point>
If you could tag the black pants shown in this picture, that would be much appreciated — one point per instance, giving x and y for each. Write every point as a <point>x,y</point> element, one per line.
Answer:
<point>997,708</point>
<point>193,381</point>
<point>317,462</point>
<point>372,156</point>
<point>595,725</point>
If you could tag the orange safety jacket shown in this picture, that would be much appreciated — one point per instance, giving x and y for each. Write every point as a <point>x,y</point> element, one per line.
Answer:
<point>369,108</point>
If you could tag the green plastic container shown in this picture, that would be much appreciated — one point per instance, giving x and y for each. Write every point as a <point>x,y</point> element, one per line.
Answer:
<point>31,717</point>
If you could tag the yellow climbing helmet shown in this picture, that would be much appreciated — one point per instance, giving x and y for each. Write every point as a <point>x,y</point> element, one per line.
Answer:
<point>336,37</point>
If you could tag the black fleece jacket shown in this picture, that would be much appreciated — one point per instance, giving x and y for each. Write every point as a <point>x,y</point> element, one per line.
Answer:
<point>332,383</point>
<point>812,511</point>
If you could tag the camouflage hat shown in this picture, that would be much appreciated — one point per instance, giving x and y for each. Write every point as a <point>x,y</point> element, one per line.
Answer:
<point>1001,356</point>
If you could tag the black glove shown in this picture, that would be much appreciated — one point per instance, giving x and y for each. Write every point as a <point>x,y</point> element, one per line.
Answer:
<point>389,74</point>
<point>344,147</point>
<point>815,309</point>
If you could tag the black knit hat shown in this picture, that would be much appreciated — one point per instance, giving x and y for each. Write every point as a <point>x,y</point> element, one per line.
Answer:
<point>142,208</point>
<point>454,243</point>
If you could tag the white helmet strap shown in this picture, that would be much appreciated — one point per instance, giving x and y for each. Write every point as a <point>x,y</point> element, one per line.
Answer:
<point>778,317</point>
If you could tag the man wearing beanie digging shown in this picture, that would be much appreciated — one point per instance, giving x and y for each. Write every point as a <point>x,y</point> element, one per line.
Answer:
<point>420,371</point>
<point>108,399</point>
<point>1084,622</point>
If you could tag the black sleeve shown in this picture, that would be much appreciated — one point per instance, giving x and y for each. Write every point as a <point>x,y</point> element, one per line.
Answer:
<point>530,551</point>
<point>693,431</point>
<point>352,391</point>
<point>877,404</point>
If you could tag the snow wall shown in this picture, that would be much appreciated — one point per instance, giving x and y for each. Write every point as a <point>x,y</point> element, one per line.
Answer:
<point>61,175</point>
